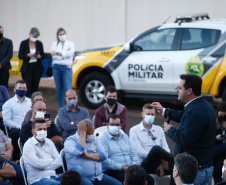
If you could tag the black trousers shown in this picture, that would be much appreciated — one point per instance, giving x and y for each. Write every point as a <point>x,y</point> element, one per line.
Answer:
<point>14,134</point>
<point>4,78</point>
<point>32,78</point>
<point>120,175</point>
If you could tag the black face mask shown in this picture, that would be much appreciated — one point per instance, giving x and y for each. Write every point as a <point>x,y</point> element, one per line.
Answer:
<point>1,35</point>
<point>221,118</point>
<point>111,101</point>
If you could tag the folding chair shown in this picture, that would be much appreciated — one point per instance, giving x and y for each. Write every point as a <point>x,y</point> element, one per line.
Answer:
<point>156,177</point>
<point>56,121</point>
<point>94,121</point>
<point>20,146</point>
<point>98,131</point>
<point>64,163</point>
<point>22,169</point>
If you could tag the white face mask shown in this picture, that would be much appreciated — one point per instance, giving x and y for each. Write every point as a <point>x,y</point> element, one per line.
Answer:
<point>90,138</point>
<point>62,38</point>
<point>33,39</point>
<point>41,135</point>
<point>114,130</point>
<point>39,115</point>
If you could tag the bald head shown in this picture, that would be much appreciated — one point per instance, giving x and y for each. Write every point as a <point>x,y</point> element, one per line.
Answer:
<point>39,106</point>
<point>70,94</point>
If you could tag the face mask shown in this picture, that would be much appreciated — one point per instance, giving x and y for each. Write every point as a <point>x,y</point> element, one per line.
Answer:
<point>111,101</point>
<point>1,35</point>
<point>113,130</point>
<point>62,38</point>
<point>21,93</point>
<point>89,138</point>
<point>33,39</point>
<point>41,135</point>
<point>39,115</point>
<point>72,103</point>
<point>149,119</point>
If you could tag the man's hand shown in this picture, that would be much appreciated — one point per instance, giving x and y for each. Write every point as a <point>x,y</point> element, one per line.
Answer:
<point>161,169</point>
<point>82,127</point>
<point>0,112</point>
<point>37,155</point>
<point>165,164</point>
<point>53,53</point>
<point>85,155</point>
<point>39,56</point>
<point>48,122</point>
<point>166,126</point>
<point>219,138</point>
<point>31,55</point>
<point>6,155</point>
<point>0,66</point>
<point>124,168</point>
<point>1,178</point>
<point>157,107</point>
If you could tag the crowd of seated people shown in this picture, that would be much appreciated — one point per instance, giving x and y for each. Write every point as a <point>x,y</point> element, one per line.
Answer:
<point>90,159</point>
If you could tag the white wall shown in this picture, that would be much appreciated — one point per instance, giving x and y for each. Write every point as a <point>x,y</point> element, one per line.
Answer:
<point>95,23</point>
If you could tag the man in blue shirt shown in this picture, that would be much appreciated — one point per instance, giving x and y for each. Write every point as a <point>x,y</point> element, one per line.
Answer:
<point>70,115</point>
<point>119,149</point>
<point>85,150</point>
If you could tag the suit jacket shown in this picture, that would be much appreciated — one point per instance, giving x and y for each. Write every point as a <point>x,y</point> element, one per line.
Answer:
<point>25,49</point>
<point>197,131</point>
<point>6,53</point>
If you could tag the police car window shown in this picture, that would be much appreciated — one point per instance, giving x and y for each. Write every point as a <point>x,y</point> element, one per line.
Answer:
<point>160,40</point>
<point>199,38</point>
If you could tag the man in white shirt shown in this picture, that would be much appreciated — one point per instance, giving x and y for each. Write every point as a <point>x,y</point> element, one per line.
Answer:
<point>13,112</point>
<point>41,157</point>
<point>185,169</point>
<point>150,144</point>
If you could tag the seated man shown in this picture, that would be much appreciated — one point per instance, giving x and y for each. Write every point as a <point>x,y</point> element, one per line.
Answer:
<point>85,150</point>
<point>146,135</point>
<point>135,175</point>
<point>14,111</point>
<point>119,149</point>
<point>8,170</point>
<point>71,114</point>
<point>185,169</point>
<point>38,111</point>
<point>111,107</point>
<point>36,96</point>
<point>41,158</point>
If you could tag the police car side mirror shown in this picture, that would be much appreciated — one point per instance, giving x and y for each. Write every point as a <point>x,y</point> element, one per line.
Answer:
<point>127,47</point>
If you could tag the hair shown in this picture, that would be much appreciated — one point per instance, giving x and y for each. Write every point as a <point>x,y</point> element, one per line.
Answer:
<point>71,177</point>
<point>89,123</point>
<point>69,90</point>
<point>58,31</point>
<point>38,120</point>
<point>147,106</point>
<point>35,94</point>
<point>221,107</point>
<point>134,175</point>
<point>192,81</point>
<point>35,31</point>
<point>1,27</point>
<point>110,89</point>
<point>187,166</point>
<point>114,116</point>
<point>19,82</point>
<point>34,104</point>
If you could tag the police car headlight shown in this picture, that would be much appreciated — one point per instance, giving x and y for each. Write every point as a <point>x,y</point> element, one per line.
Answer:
<point>79,57</point>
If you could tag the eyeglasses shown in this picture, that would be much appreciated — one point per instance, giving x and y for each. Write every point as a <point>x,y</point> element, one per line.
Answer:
<point>152,136</point>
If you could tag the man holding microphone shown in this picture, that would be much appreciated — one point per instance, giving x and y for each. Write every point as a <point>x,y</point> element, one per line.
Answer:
<point>196,132</point>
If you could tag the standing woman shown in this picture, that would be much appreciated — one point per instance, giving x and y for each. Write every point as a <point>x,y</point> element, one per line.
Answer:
<point>62,55</point>
<point>31,51</point>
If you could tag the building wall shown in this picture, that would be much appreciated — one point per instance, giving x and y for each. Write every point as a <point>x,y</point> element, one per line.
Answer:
<point>95,23</point>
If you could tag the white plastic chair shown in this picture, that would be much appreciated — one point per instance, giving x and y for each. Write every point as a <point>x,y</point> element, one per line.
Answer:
<point>20,146</point>
<point>156,177</point>
<point>98,131</point>
<point>62,155</point>
<point>22,169</point>
<point>94,121</point>
<point>56,121</point>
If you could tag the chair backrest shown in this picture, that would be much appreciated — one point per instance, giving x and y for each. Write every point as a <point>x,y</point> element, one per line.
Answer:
<point>94,121</point>
<point>20,146</point>
<point>21,124</point>
<point>22,169</point>
<point>64,163</point>
<point>56,121</point>
<point>98,131</point>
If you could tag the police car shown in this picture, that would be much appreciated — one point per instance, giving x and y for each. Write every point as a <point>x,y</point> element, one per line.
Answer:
<point>150,64</point>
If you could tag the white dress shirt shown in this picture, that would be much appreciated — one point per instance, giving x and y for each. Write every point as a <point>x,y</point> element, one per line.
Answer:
<point>13,111</point>
<point>67,52</point>
<point>43,166</point>
<point>142,142</point>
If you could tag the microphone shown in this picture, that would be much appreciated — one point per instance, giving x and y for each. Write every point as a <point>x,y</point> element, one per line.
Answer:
<point>169,115</point>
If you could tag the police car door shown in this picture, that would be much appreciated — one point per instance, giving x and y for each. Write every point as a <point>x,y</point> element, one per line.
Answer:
<point>149,66</point>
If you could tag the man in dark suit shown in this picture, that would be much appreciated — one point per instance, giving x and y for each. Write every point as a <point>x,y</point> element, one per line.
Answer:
<point>196,132</point>
<point>6,52</point>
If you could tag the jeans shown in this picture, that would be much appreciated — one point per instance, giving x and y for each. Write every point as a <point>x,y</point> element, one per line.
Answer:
<point>203,177</point>
<point>63,80</point>
<point>85,180</point>
<point>107,180</point>
<point>14,133</point>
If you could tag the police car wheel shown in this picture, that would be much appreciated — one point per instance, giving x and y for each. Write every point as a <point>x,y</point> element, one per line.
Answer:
<point>92,89</point>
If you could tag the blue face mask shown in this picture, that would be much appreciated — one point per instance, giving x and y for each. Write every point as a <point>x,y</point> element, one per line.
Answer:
<point>21,93</point>
<point>149,119</point>
<point>72,103</point>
